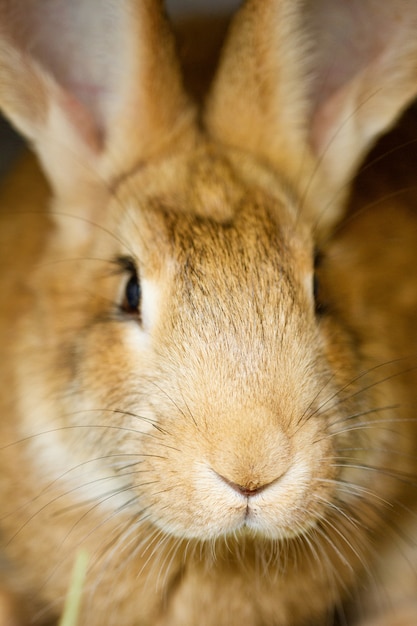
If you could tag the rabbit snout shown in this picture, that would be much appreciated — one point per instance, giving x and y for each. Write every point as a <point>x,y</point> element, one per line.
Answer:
<point>259,469</point>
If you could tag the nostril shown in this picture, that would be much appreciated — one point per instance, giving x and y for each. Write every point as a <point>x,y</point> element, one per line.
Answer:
<point>248,490</point>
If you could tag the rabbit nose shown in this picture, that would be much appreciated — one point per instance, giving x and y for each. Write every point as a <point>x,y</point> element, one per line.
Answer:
<point>250,489</point>
<point>252,453</point>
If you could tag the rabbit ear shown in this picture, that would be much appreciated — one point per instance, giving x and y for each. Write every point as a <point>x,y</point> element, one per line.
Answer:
<point>93,84</point>
<point>310,84</point>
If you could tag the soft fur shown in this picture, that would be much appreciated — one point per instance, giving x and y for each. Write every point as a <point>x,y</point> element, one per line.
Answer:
<point>240,449</point>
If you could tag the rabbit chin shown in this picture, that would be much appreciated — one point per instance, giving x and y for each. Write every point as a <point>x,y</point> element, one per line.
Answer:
<point>239,523</point>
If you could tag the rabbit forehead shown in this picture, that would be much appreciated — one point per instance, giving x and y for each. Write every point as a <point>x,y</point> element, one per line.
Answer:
<point>205,198</point>
<point>233,288</point>
<point>227,258</point>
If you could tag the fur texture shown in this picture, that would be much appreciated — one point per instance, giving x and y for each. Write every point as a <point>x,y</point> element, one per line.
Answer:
<point>209,382</point>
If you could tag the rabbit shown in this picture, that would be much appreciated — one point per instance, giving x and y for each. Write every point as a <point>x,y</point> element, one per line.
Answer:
<point>208,361</point>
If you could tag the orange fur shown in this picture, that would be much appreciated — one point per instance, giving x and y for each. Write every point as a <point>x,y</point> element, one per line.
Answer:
<point>239,449</point>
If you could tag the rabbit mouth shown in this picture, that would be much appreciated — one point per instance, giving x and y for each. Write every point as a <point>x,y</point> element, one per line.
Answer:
<point>257,527</point>
<point>284,508</point>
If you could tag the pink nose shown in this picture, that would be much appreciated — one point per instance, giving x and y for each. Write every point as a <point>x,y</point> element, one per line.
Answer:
<point>248,490</point>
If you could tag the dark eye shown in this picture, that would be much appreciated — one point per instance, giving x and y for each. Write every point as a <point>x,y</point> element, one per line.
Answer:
<point>132,292</point>
<point>319,304</point>
<point>315,287</point>
<point>131,301</point>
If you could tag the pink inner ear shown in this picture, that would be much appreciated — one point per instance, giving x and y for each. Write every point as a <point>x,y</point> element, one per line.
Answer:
<point>80,118</point>
<point>351,35</point>
<point>80,43</point>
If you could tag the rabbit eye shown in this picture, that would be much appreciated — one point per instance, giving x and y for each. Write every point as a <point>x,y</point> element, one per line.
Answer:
<point>319,304</point>
<point>132,295</point>
<point>315,288</point>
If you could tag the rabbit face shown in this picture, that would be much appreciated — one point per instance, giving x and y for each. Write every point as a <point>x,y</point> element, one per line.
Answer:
<point>198,363</point>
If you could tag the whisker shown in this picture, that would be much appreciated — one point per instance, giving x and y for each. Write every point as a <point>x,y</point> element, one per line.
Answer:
<point>360,376</point>
<point>403,477</point>
<point>330,142</point>
<point>373,410</point>
<point>75,427</point>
